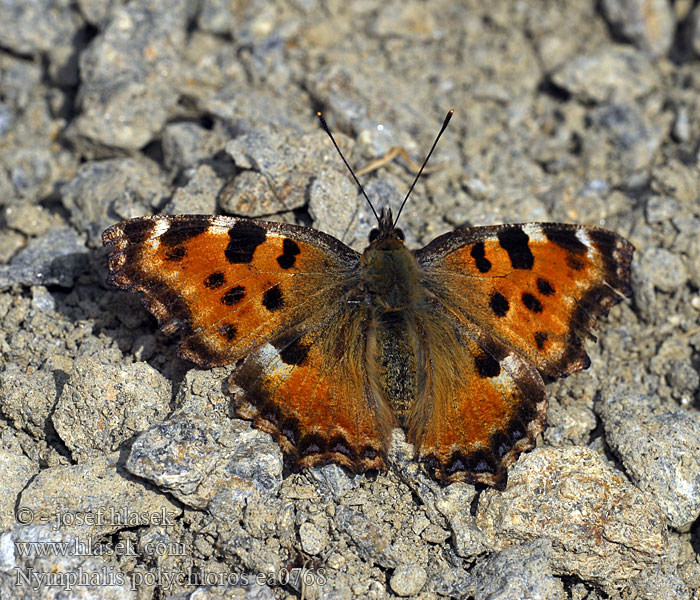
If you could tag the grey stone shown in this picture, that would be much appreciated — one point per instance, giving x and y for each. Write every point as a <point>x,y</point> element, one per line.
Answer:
<point>412,19</point>
<point>218,464</point>
<point>694,27</point>
<point>334,480</point>
<point>19,78</point>
<point>53,259</point>
<point>611,74</point>
<point>660,208</point>
<point>681,126</point>
<point>102,405</point>
<point>16,470</point>
<point>34,26</point>
<point>658,584</point>
<point>371,540</point>
<point>519,571</point>
<point>95,12</point>
<point>10,243</point>
<point>27,401</point>
<point>250,194</point>
<point>216,16</point>
<point>27,218</point>
<point>32,163</point>
<point>630,140</point>
<point>313,539</point>
<point>572,497</point>
<point>648,24</point>
<point>104,192</point>
<point>455,505</point>
<point>93,499</point>
<point>683,377</point>
<point>69,571</point>
<point>42,300</point>
<point>660,449</point>
<point>284,165</point>
<point>333,205</point>
<point>129,76</point>
<point>7,118</point>
<point>186,144</point>
<point>677,180</point>
<point>247,113</point>
<point>253,590</point>
<point>408,579</point>
<point>661,269</point>
<point>198,195</point>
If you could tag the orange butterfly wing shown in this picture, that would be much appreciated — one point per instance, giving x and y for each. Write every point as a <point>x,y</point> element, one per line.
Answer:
<point>276,294</point>
<point>483,404</point>
<point>536,287</point>
<point>227,284</point>
<point>505,299</point>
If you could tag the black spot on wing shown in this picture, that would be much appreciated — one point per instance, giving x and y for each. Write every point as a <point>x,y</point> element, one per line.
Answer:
<point>499,304</point>
<point>272,299</point>
<point>515,242</point>
<point>215,280</point>
<point>233,296</point>
<point>228,331</point>
<point>312,444</point>
<point>575,263</point>
<point>500,444</point>
<point>339,445</point>
<point>487,365</point>
<point>479,256</point>
<point>245,236</point>
<point>565,238</point>
<point>180,232</point>
<point>290,250</point>
<point>175,254</point>
<point>531,303</point>
<point>292,349</point>
<point>540,338</point>
<point>544,287</point>
<point>136,230</point>
<point>369,453</point>
<point>480,461</point>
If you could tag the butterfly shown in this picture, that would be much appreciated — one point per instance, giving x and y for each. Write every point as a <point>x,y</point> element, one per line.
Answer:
<point>335,348</point>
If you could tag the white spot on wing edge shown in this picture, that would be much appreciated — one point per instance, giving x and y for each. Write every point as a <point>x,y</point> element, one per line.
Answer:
<point>582,236</point>
<point>509,370</point>
<point>510,363</point>
<point>270,361</point>
<point>534,232</point>
<point>219,222</point>
<point>160,226</point>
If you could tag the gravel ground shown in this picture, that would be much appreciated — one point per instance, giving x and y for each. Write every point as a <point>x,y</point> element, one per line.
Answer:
<point>129,460</point>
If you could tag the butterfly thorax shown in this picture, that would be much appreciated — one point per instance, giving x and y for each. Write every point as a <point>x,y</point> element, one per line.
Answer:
<point>389,275</point>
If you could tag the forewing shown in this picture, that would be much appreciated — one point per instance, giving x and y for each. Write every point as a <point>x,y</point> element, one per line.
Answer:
<point>228,285</point>
<point>538,288</point>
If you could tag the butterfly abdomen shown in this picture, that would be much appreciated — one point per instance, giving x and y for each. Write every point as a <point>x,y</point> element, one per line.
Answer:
<point>392,352</point>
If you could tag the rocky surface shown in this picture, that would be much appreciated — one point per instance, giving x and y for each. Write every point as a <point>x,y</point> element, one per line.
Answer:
<point>585,112</point>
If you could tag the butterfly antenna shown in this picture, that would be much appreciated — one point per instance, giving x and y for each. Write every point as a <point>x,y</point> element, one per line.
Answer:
<point>425,162</point>
<point>359,185</point>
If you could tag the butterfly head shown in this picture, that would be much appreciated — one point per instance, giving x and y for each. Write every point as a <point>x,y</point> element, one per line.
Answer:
<point>385,229</point>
